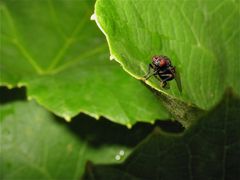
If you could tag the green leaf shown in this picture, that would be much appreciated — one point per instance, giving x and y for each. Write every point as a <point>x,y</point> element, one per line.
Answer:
<point>36,145</point>
<point>53,49</point>
<point>201,38</point>
<point>208,150</point>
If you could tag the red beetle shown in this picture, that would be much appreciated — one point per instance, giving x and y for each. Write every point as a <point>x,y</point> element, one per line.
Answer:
<point>163,70</point>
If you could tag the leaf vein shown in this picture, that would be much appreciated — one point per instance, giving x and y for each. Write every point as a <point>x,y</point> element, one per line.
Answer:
<point>67,43</point>
<point>16,42</point>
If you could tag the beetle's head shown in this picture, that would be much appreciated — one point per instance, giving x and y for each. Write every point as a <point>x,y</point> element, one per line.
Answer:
<point>160,60</point>
<point>156,60</point>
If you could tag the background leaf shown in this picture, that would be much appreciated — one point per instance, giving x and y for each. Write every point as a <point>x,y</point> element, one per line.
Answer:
<point>37,145</point>
<point>53,49</point>
<point>201,38</point>
<point>208,150</point>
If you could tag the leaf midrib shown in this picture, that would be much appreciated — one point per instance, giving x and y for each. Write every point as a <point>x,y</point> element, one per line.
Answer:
<point>15,40</point>
<point>52,68</point>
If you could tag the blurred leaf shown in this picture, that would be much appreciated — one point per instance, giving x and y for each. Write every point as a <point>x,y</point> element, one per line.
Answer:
<point>53,49</point>
<point>202,38</point>
<point>208,150</point>
<point>35,145</point>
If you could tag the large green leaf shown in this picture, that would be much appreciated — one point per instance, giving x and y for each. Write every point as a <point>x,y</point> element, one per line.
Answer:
<point>208,150</point>
<point>53,49</point>
<point>36,145</point>
<point>202,38</point>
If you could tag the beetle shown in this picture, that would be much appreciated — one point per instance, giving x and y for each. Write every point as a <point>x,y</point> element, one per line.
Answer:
<point>163,71</point>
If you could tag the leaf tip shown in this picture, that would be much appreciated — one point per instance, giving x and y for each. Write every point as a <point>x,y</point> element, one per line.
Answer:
<point>93,17</point>
<point>152,122</point>
<point>112,57</point>
<point>9,86</point>
<point>20,84</point>
<point>67,118</point>
<point>129,126</point>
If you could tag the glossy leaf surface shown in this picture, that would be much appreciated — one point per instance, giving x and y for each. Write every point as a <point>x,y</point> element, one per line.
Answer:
<point>202,38</point>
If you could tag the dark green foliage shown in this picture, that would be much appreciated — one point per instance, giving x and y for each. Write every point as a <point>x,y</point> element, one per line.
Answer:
<point>210,149</point>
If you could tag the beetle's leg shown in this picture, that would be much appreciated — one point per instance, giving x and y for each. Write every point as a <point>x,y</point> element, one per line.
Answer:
<point>157,77</point>
<point>163,72</point>
<point>168,78</point>
<point>149,69</point>
<point>148,75</point>
<point>163,84</point>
